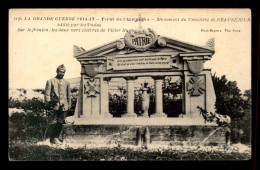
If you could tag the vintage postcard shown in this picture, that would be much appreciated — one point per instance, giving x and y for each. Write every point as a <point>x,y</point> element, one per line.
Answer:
<point>129,84</point>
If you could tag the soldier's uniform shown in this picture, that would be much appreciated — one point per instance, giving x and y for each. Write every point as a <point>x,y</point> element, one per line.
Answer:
<point>59,90</point>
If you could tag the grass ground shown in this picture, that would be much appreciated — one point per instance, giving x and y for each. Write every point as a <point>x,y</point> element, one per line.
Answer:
<point>21,151</point>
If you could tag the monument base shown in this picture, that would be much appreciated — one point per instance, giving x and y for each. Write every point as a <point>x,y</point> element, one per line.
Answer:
<point>143,116</point>
<point>129,115</point>
<point>126,134</point>
<point>156,115</point>
<point>169,121</point>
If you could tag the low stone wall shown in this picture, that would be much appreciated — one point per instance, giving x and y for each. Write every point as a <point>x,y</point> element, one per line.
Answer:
<point>126,134</point>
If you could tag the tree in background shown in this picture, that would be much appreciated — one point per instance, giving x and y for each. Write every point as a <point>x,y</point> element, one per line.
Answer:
<point>74,96</point>
<point>231,102</point>
<point>117,104</point>
<point>172,104</point>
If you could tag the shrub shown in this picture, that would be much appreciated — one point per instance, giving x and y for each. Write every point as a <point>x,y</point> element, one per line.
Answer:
<point>34,123</point>
<point>45,153</point>
<point>17,126</point>
<point>117,105</point>
<point>14,103</point>
<point>229,101</point>
<point>74,95</point>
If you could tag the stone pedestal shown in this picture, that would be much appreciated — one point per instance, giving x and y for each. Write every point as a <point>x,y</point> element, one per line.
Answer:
<point>130,97</point>
<point>158,97</point>
<point>158,135</point>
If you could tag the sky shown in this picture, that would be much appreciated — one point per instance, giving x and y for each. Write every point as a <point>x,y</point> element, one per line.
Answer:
<point>34,56</point>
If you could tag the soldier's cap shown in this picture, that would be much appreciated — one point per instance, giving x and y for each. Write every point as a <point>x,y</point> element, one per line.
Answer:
<point>61,68</point>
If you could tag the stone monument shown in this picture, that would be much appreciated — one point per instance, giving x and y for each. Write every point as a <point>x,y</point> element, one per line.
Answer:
<point>143,53</point>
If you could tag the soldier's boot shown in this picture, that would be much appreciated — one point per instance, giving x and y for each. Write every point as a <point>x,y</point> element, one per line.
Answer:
<point>61,135</point>
<point>57,141</point>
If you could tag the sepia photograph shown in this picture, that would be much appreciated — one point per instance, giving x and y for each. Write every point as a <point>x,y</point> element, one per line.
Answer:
<point>129,84</point>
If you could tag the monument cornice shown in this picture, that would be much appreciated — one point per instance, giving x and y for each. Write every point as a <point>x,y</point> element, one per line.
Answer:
<point>118,75</point>
<point>196,56</point>
<point>91,58</point>
<point>195,53</point>
<point>149,73</point>
<point>188,47</point>
<point>122,45</point>
<point>90,62</point>
<point>111,46</point>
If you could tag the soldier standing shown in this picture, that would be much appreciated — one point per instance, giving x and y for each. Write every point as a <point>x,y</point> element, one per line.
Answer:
<point>58,89</point>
